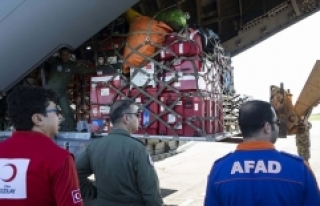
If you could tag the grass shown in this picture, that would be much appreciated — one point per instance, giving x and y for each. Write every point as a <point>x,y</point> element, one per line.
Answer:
<point>314,117</point>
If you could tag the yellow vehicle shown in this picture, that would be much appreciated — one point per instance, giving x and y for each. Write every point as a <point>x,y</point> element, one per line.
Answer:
<point>294,118</point>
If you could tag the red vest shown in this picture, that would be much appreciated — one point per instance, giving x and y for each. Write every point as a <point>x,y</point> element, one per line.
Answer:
<point>35,171</point>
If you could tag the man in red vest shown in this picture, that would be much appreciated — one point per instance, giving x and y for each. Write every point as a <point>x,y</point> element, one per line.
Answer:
<point>33,169</point>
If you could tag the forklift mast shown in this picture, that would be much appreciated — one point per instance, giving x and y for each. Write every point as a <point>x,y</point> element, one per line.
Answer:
<point>294,118</point>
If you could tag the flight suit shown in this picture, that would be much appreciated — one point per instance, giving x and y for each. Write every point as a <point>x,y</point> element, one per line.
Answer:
<point>60,75</point>
<point>257,174</point>
<point>123,170</point>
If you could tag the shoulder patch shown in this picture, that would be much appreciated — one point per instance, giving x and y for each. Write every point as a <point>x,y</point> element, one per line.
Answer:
<point>297,157</point>
<point>223,157</point>
<point>138,140</point>
<point>59,68</point>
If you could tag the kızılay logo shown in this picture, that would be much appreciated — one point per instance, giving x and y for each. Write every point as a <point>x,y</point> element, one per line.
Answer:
<point>13,178</point>
<point>7,189</point>
<point>13,175</point>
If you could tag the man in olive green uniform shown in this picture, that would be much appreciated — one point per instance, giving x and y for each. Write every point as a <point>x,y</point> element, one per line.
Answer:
<point>123,169</point>
<point>61,69</point>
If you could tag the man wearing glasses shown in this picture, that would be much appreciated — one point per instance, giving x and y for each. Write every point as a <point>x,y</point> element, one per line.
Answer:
<point>121,164</point>
<point>33,169</point>
<point>256,173</point>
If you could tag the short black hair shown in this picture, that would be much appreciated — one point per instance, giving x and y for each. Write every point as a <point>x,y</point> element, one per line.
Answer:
<point>24,101</point>
<point>64,49</point>
<point>119,108</point>
<point>253,115</point>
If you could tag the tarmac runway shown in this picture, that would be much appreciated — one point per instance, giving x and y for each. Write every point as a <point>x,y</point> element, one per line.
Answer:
<point>183,177</point>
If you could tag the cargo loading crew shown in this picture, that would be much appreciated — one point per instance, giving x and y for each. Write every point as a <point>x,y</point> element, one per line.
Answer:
<point>107,68</point>
<point>61,69</point>
<point>33,169</point>
<point>123,168</point>
<point>256,173</point>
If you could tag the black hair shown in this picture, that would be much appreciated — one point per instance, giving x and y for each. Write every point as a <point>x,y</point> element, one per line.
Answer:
<point>252,117</point>
<point>64,49</point>
<point>24,101</point>
<point>119,108</point>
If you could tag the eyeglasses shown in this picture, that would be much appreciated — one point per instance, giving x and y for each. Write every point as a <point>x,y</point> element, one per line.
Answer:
<point>56,110</point>
<point>136,114</point>
<point>277,122</point>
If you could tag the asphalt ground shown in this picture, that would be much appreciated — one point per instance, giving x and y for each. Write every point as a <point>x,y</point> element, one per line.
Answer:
<point>183,177</point>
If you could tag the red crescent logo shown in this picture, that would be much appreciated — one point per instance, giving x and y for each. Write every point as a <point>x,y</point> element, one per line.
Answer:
<point>14,173</point>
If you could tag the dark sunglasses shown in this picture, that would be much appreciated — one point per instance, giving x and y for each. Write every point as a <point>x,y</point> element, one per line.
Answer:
<point>56,110</point>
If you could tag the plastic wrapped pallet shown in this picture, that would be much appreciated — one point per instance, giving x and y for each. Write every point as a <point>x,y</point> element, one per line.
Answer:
<point>144,36</point>
<point>180,94</point>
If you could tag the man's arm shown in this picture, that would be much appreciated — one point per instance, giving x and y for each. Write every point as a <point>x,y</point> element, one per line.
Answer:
<point>49,62</point>
<point>147,177</point>
<point>211,198</point>
<point>88,190</point>
<point>312,194</point>
<point>66,189</point>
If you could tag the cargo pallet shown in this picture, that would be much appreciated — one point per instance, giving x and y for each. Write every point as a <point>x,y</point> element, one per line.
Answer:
<point>159,147</point>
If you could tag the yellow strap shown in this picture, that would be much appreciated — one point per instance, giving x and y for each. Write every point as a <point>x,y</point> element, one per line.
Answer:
<point>130,15</point>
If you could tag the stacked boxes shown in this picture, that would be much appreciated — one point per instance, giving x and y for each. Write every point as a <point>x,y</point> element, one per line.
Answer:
<point>103,92</point>
<point>180,89</point>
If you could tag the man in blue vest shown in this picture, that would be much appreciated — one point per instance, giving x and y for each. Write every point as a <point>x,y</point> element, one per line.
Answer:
<point>256,173</point>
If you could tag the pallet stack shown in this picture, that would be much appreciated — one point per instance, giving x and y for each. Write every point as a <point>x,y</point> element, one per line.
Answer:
<point>230,111</point>
<point>179,88</point>
<point>231,106</point>
<point>80,95</point>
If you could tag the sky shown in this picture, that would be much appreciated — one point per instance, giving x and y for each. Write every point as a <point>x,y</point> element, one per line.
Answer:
<point>287,57</point>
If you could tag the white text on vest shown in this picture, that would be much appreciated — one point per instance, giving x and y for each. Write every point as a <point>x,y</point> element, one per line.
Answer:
<point>250,166</point>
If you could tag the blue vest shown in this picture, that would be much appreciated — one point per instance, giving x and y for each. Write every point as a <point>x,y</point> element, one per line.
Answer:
<point>263,177</point>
